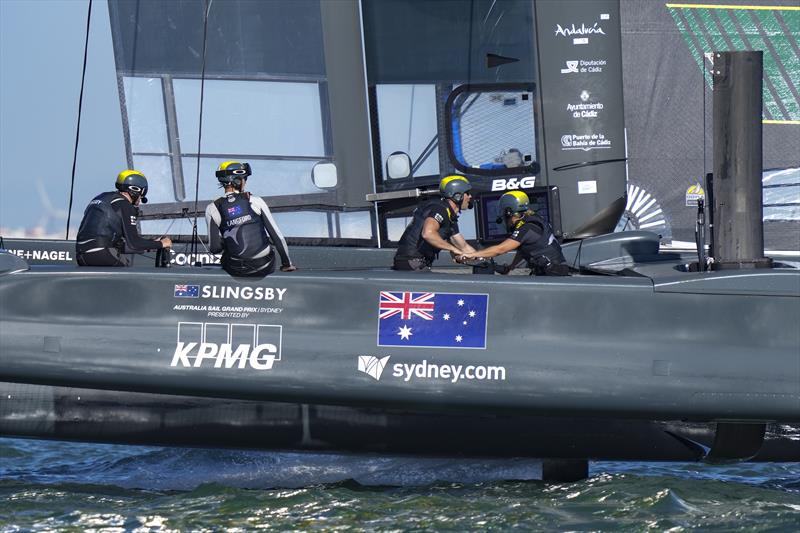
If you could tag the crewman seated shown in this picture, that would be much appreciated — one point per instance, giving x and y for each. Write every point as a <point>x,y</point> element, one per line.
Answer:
<point>109,227</point>
<point>241,226</point>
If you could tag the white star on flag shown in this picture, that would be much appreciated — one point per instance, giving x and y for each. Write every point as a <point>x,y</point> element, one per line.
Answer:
<point>472,314</point>
<point>446,316</point>
<point>405,332</point>
<point>458,338</point>
<point>460,303</point>
<point>465,322</point>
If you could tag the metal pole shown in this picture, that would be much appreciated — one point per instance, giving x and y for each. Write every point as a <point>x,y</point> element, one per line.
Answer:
<point>738,224</point>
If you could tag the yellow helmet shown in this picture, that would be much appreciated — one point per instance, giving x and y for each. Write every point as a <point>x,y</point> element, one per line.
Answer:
<point>454,187</point>
<point>511,203</point>
<point>233,172</point>
<point>133,182</point>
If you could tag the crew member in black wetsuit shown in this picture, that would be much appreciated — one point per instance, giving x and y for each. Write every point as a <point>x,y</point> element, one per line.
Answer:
<point>242,228</point>
<point>109,226</point>
<point>530,235</point>
<point>434,227</point>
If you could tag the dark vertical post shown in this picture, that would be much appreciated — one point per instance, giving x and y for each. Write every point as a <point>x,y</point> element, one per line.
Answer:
<point>738,224</point>
<point>347,96</point>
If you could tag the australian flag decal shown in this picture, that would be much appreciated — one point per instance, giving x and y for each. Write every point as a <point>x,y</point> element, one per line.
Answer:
<point>432,319</point>
<point>187,291</point>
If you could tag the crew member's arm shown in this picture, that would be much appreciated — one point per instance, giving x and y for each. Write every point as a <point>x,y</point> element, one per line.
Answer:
<point>275,234</point>
<point>135,243</point>
<point>213,221</point>
<point>430,232</point>
<point>493,251</point>
<point>461,243</point>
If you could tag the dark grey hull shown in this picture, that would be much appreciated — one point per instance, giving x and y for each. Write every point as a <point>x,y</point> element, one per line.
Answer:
<point>615,352</point>
<point>89,415</point>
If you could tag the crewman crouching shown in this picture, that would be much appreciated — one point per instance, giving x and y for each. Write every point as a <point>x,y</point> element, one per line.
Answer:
<point>530,235</point>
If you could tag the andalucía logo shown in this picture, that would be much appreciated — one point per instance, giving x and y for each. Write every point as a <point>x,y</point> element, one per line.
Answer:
<point>432,319</point>
<point>372,366</point>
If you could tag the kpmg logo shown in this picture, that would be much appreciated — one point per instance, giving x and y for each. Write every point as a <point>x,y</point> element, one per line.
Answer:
<point>224,345</point>
<point>372,366</point>
<point>432,320</point>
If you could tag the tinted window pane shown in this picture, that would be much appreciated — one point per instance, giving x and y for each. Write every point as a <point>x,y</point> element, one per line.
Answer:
<point>175,226</point>
<point>303,224</point>
<point>251,117</point>
<point>144,106</point>
<point>270,177</point>
<point>355,225</point>
<point>407,121</point>
<point>159,177</point>
<point>447,40</point>
<point>244,37</point>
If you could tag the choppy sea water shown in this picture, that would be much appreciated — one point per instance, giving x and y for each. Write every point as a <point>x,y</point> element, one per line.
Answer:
<point>58,486</point>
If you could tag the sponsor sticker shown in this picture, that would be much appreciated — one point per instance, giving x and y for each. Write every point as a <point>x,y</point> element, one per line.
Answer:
<point>427,371</point>
<point>227,345</point>
<point>43,255</point>
<point>572,66</point>
<point>430,319</point>
<point>693,194</point>
<point>582,30</point>
<point>589,141</point>
<point>510,184</point>
<point>586,108</point>
<point>234,292</point>
<point>587,187</point>
<point>584,66</point>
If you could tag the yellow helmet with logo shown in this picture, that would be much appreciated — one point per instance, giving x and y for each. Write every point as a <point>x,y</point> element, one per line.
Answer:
<point>232,173</point>
<point>132,182</point>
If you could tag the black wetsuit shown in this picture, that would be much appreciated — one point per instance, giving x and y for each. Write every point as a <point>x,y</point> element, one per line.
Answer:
<point>242,228</point>
<point>108,230</point>
<point>413,251</point>
<point>538,246</point>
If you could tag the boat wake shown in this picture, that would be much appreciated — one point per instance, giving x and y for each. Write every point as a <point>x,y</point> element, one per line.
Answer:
<point>188,468</point>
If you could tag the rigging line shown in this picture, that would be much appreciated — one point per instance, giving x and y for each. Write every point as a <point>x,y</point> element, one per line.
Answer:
<point>80,107</point>
<point>195,237</point>
<point>411,117</point>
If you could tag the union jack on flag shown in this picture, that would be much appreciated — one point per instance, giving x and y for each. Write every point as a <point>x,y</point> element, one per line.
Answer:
<point>405,305</point>
<point>187,291</point>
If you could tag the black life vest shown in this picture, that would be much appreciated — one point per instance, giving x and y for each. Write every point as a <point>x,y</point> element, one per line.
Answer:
<point>412,245</point>
<point>102,223</point>
<point>243,232</point>
<point>545,246</point>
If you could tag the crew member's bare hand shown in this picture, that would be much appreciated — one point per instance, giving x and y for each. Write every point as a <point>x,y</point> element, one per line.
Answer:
<point>470,255</point>
<point>289,268</point>
<point>166,242</point>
